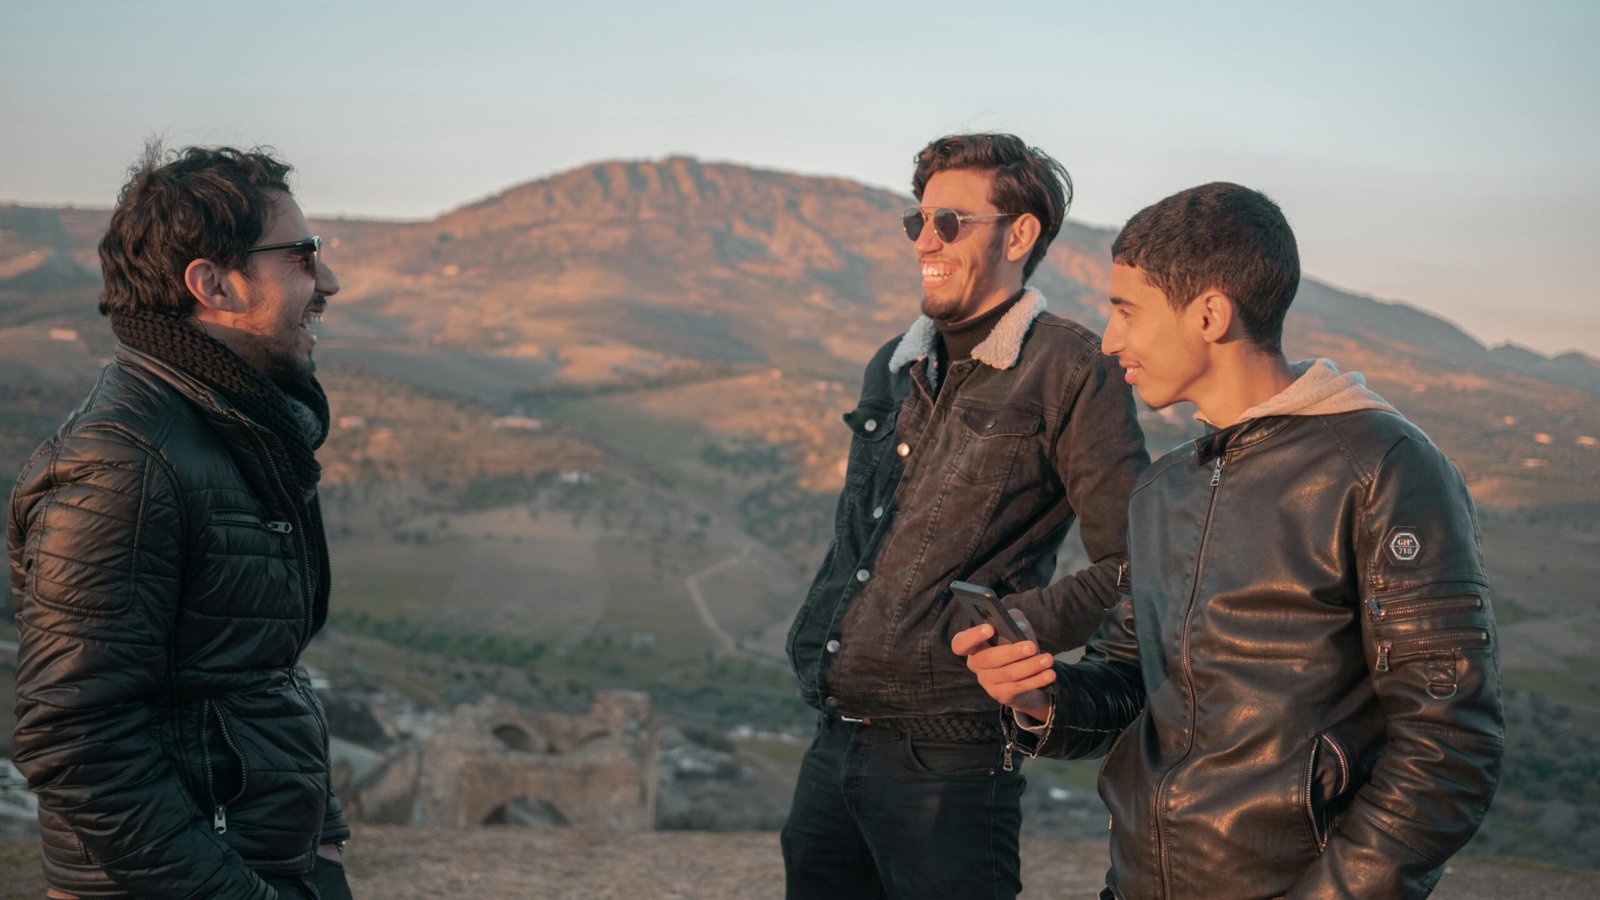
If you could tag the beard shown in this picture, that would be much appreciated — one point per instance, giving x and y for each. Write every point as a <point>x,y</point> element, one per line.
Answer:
<point>277,359</point>
<point>954,309</point>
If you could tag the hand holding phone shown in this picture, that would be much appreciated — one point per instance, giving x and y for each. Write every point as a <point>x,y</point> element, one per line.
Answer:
<point>984,608</point>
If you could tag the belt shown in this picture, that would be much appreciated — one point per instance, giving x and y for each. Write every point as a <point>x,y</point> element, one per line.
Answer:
<point>956,730</point>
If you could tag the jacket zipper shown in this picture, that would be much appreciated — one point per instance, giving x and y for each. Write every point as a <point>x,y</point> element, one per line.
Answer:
<point>1394,650</point>
<point>299,534</point>
<point>305,589</point>
<point>1311,775</point>
<point>322,726</point>
<point>219,810</point>
<point>1317,826</point>
<point>252,521</point>
<point>1379,611</point>
<point>1194,596</point>
<point>305,692</point>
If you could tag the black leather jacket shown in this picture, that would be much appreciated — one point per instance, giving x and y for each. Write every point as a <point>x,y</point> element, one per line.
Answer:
<point>1310,639</point>
<point>161,572</point>
<point>980,482</point>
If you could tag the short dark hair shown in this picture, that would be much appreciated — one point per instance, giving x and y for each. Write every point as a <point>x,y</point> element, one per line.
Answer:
<point>1026,180</point>
<point>179,206</point>
<point>1218,236</point>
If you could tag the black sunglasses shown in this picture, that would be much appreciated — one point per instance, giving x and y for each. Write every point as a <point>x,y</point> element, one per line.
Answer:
<point>312,246</point>
<point>946,222</point>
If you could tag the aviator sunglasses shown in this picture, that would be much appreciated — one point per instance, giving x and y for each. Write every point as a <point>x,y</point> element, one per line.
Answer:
<point>946,222</point>
<point>311,246</point>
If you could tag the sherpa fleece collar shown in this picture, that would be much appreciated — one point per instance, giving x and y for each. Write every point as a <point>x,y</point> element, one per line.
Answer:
<point>998,351</point>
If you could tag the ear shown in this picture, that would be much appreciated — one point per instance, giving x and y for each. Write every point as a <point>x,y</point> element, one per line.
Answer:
<point>1214,310</point>
<point>212,288</point>
<point>1021,237</point>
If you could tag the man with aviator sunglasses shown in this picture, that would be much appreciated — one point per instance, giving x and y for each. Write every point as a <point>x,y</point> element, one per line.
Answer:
<point>168,560</point>
<point>982,433</point>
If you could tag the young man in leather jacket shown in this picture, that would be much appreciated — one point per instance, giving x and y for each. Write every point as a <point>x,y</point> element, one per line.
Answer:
<point>981,434</point>
<point>1300,694</point>
<point>168,561</point>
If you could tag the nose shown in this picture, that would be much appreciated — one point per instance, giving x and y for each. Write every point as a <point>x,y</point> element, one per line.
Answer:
<point>1111,343</point>
<point>327,282</point>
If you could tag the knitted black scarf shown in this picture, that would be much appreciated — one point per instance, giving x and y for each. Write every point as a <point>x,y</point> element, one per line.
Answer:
<point>265,402</point>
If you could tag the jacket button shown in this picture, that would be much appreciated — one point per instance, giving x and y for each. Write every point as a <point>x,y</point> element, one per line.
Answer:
<point>833,646</point>
<point>869,425</point>
<point>862,574</point>
<point>903,449</point>
<point>877,512</point>
<point>831,703</point>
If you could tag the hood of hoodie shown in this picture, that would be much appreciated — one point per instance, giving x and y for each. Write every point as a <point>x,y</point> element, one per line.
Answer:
<point>1319,389</point>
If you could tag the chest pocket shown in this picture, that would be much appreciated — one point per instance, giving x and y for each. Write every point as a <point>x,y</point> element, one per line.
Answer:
<point>870,426</point>
<point>992,438</point>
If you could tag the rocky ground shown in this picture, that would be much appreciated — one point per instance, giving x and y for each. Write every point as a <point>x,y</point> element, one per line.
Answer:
<point>392,862</point>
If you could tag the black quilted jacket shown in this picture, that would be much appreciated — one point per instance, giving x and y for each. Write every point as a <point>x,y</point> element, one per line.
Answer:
<point>166,579</point>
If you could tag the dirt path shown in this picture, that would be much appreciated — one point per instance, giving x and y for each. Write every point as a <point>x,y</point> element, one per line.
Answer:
<point>692,582</point>
<point>402,863</point>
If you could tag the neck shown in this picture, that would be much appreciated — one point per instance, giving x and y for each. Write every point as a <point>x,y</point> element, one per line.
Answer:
<point>994,299</point>
<point>1239,380</point>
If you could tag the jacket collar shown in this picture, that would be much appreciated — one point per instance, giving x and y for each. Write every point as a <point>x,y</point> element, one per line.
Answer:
<point>998,351</point>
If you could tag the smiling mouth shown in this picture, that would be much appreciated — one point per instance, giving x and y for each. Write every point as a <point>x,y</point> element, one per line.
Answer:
<point>1130,372</point>
<point>936,273</point>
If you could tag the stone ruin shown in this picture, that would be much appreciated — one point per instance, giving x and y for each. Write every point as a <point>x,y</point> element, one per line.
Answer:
<point>495,763</point>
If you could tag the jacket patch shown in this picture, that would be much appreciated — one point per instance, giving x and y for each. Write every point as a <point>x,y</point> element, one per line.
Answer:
<point>1403,544</point>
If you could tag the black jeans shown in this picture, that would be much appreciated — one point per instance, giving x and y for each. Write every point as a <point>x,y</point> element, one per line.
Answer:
<point>877,814</point>
<point>324,882</point>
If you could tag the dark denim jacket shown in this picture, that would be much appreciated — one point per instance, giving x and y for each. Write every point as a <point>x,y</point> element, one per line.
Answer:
<point>978,481</point>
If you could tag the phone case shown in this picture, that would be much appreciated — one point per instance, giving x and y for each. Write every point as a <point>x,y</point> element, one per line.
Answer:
<point>983,607</point>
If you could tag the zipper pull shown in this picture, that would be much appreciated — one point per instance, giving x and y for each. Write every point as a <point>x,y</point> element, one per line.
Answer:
<point>1216,474</point>
<point>1005,759</point>
<point>1374,611</point>
<point>219,819</point>
<point>1383,655</point>
<point>280,527</point>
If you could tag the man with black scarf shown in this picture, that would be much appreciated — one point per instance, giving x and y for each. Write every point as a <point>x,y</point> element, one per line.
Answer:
<point>168,559</point>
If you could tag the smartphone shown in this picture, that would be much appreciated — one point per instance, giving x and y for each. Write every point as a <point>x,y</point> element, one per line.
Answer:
<point>984,608</point>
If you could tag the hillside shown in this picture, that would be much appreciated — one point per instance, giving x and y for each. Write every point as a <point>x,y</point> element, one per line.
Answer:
<point>588,430</point>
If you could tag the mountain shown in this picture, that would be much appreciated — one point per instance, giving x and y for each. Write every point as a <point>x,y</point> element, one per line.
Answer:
<point>589,428</point>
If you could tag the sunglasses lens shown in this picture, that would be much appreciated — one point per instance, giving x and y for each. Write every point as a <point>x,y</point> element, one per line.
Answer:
<point>946,224</point>
<point>911,220</point>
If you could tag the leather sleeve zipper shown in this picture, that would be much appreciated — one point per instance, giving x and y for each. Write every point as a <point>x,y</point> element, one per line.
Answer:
<point>1396,650</point>
<point>1410,607</point>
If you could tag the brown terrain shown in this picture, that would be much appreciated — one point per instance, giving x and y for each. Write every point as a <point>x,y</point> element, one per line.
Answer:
<point>571,864</point>
<point>587,437</point>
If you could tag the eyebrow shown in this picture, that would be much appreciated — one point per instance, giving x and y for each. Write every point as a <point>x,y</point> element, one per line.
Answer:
<point>1119,301</point>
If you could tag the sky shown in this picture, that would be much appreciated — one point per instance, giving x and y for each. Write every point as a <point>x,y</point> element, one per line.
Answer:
<point>1443,154</point>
